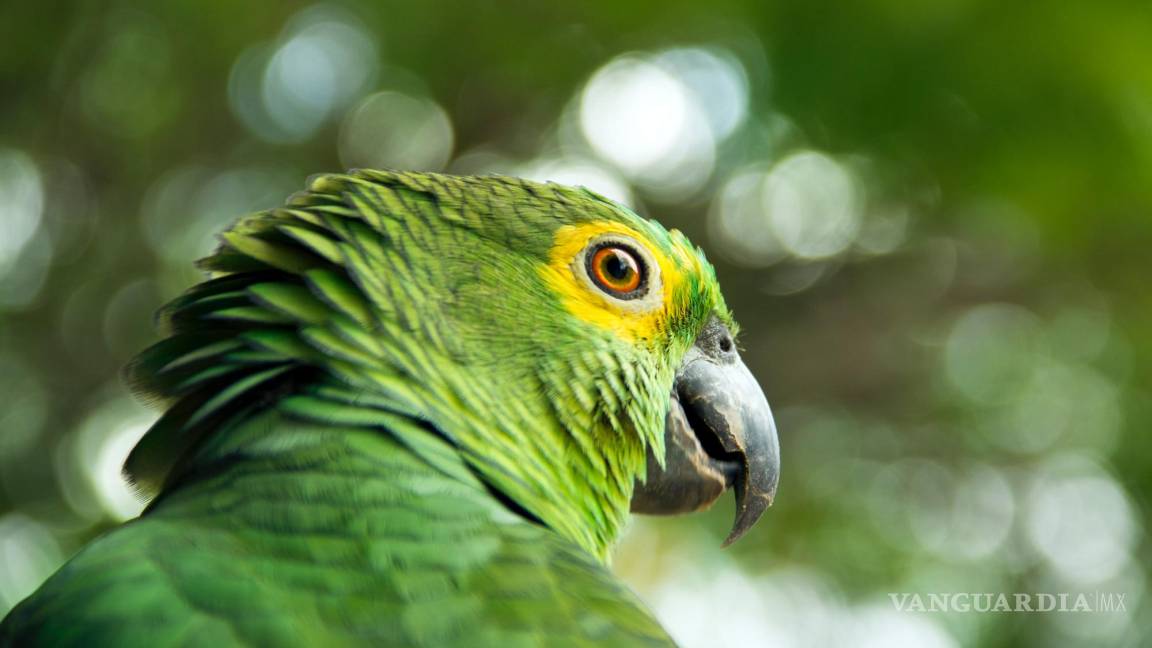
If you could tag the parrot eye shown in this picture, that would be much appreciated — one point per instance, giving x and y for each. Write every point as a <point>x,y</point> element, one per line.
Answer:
<point>617,270</point>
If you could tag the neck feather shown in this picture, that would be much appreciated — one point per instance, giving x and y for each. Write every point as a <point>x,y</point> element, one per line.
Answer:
<point>311,303</point>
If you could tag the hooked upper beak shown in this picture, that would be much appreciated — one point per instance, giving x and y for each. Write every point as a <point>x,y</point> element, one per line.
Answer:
<point>719,433</point>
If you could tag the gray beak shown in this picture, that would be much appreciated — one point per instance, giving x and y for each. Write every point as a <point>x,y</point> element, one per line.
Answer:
<point>719,434</point>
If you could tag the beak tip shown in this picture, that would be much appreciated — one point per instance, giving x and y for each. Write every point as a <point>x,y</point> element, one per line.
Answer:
<point>751,508</point>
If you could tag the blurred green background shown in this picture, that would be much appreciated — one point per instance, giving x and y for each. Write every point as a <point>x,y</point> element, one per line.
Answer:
<point>934,221</point>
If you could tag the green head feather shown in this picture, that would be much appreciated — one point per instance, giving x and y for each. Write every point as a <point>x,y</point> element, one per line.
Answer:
<point>462,304</point>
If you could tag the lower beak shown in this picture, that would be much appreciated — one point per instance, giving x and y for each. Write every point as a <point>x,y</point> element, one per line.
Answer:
<point>719,434</point>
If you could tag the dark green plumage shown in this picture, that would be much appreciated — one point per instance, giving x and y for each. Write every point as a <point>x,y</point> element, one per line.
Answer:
<point>423,556</point>
<point>385,426</point>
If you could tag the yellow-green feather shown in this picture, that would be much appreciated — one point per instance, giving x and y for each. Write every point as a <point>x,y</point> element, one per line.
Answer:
<point>381,424</point>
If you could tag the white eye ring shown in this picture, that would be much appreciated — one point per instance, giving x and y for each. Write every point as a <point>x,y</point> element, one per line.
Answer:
<point>617,269</point>
<point>622,271</point>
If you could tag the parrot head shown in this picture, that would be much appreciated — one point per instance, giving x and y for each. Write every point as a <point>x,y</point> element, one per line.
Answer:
<point>580,358</point>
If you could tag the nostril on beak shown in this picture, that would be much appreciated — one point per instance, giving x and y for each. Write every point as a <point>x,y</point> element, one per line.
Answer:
<point>726,344</point>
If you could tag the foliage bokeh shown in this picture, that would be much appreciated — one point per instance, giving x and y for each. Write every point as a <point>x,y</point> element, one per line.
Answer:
<point>932,219</point>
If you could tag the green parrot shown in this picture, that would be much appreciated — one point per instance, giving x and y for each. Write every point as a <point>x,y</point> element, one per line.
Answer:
<point>412,409</point>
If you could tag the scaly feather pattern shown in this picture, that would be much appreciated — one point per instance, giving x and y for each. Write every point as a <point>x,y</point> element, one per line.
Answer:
<point>384,423</point>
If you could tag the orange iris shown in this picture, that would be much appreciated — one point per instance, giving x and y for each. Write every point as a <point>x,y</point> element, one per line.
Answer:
<point>615,269</point>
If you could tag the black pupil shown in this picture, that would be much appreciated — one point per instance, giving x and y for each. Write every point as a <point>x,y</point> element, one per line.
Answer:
<point>618,266</point>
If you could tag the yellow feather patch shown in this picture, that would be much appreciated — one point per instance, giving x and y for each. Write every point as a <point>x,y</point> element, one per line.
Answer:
<point>640,320</point>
